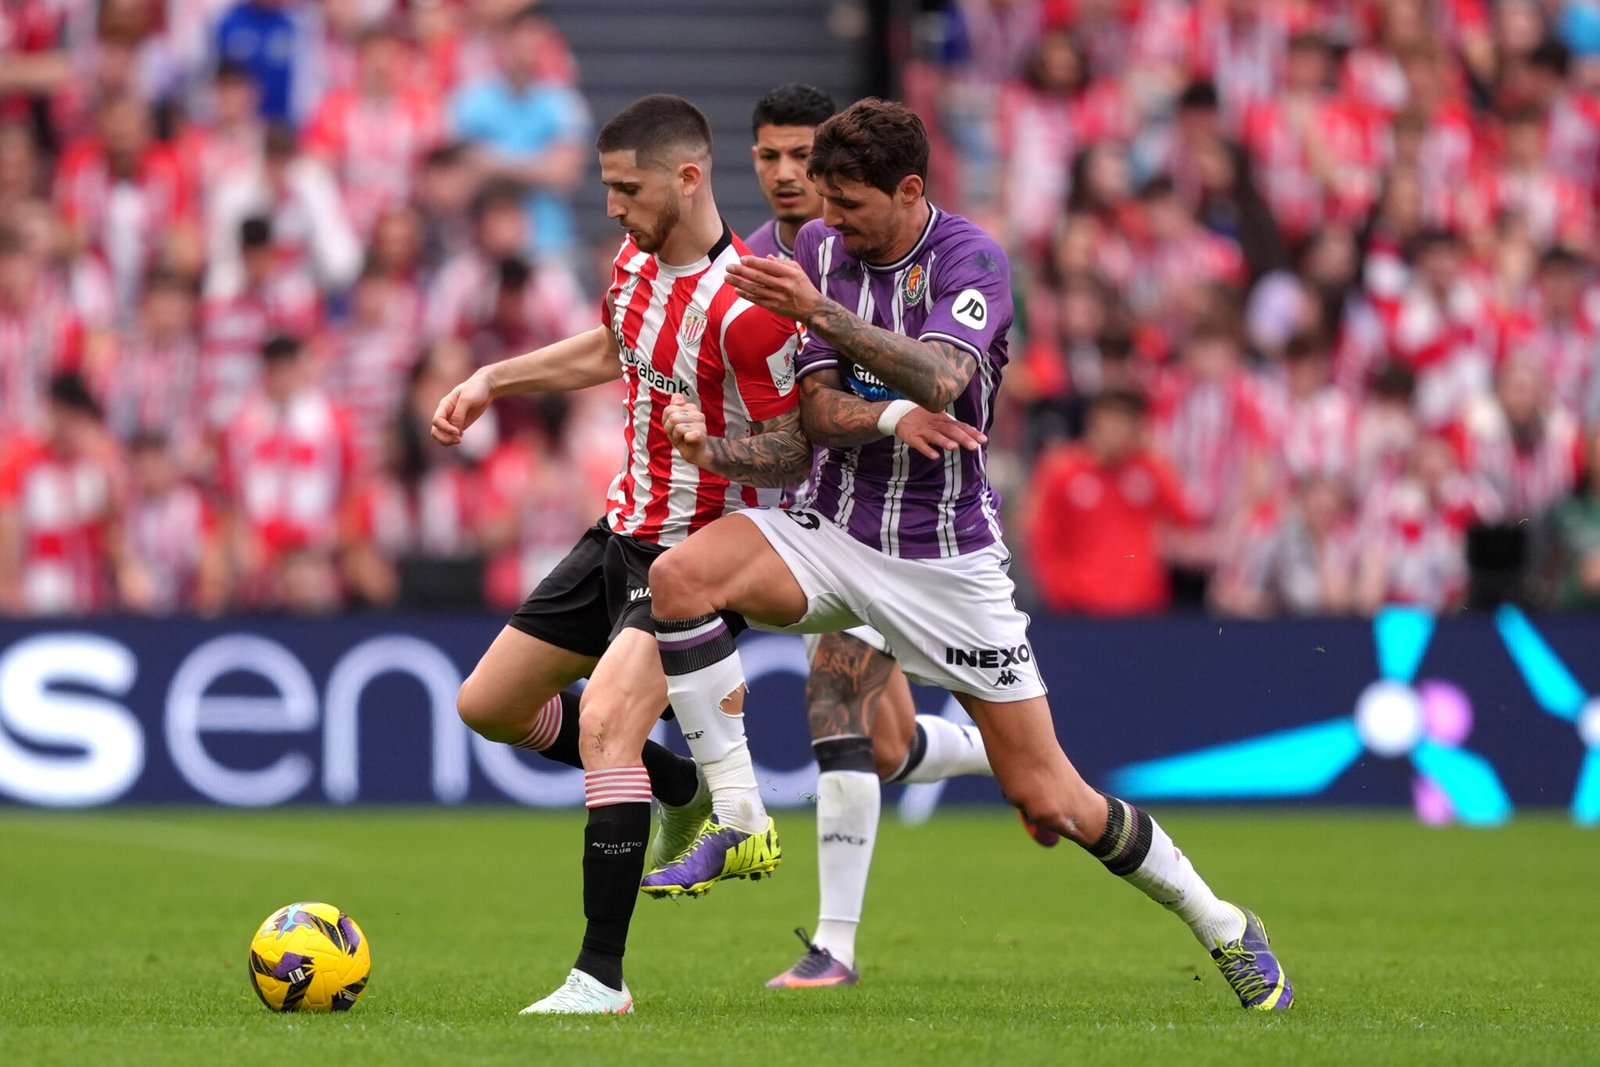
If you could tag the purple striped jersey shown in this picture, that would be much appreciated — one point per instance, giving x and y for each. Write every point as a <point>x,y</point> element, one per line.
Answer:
<point>953,286</point>
<point>764,241</point>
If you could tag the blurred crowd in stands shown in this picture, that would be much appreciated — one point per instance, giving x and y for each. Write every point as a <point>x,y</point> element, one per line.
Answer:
<point>1308,318</point>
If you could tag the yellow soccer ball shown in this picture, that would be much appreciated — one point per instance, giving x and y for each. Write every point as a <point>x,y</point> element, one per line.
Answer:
<point>309,957</point>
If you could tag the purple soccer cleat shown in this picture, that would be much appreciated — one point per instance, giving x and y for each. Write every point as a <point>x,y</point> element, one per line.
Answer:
<point>816,969</point>
<point>1252,969</point>
<point>717,852</point>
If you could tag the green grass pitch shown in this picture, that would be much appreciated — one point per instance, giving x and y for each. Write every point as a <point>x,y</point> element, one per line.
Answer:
<point>125,933</point>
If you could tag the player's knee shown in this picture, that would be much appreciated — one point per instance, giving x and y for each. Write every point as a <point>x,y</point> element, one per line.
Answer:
<point>606,736</point>
<point>479,710</point>
<point>677,580</point>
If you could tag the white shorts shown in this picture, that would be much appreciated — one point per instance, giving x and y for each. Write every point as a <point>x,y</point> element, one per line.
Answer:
<point>951,623</point>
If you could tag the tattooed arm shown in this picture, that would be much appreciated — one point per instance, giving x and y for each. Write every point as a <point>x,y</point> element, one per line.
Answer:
<point>776,453</point>
<point>833,416</point>
<point>932,373</point>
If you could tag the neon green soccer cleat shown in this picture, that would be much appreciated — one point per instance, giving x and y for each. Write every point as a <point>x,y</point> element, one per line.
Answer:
<point>718,852</point>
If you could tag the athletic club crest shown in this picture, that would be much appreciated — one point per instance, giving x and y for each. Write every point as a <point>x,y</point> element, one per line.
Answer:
<point>914,284</point>
<point>694,325</point>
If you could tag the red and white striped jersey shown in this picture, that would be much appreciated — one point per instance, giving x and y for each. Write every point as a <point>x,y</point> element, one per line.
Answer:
<point>166,536</point>
<point>289,471</point>
<point>1528,476</point>
<point>684,330</point>
<point>37,341</point>
<point>63,507</point>
<point>374,145</point>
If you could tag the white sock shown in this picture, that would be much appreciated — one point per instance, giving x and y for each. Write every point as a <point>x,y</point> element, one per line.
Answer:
<point>848,803</point>
<point>716,739</point>
<point>1165,875</point>
<point>950,751</point>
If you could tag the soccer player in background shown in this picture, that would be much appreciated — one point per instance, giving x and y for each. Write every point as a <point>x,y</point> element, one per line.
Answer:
<point>671,325</point>
<point>907,543</point>
<point>864,725</point>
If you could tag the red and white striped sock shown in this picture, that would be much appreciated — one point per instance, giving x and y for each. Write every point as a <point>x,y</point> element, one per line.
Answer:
<point>616,785</point>
<point>546,725</point>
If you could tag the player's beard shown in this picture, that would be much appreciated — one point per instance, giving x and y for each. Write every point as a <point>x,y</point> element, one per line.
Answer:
<point>651,241</point>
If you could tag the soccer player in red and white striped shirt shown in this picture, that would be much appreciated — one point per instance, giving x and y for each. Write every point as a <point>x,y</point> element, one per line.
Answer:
<point>671,326</point>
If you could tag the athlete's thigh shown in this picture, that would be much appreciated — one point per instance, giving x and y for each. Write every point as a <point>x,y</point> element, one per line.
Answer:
<point>728,565</point>
<point>954,624</point>
<point>626,694</point>
<point>519,672</point>
<point>833,574</point>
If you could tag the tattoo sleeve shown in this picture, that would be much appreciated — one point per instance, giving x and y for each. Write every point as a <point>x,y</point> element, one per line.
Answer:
<point>833,416</point>
<point>847,678</point>
<point>777,453</point>
<point>933,373</point>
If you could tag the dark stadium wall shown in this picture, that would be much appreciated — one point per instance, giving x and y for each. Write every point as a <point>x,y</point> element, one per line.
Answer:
<point>352,710</point>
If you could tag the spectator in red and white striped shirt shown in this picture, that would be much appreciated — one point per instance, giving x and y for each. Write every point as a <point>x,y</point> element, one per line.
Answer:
<point>1556,330</point>
<point>289,468</point>
<point>1312,421</point>
<point>1525,448</point>
<point>153,382</point>
<point>58,494</point>
<point>124,195</point>
<point>273,298</point>
<point>1413,532</point>
<point>374,133</point>
<point>369,358</point>
<point>463,301</point>
<point>1293,558</point>
<point>41,334</point>
<point>226,150</point>
<point>171,557</point>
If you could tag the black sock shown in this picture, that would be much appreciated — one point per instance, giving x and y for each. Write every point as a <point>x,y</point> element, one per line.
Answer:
<point>915,753</point>
<point>613,866</point>
<point>1126,840</point>
<point>672,777</point>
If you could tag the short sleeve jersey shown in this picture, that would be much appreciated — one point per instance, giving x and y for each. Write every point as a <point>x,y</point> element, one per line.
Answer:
<point>685,330</point>
<point>953,286</point>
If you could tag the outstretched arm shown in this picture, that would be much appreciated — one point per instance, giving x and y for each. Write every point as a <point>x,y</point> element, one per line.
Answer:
<point>932,373</point>
<point>578,362</point>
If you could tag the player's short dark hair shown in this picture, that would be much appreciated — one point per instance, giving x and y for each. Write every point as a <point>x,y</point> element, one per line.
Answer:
<point>280,347</point>
<point>876,142</point>
<point>794,104</point>
<point>654,126</point>
<point>71,392</point>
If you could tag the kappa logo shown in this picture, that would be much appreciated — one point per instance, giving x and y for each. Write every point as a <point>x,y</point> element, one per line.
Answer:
<point>988,657</point>
<point>970,309</point>
<point>1007,678</point>
<point>693,326</point>
<point>914,284</point>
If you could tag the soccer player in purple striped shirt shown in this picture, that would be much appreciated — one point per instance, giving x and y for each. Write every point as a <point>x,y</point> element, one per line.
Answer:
<point>864,725</point>
<point>906,306</point>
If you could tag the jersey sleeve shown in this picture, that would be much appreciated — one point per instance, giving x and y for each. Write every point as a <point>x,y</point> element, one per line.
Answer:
<point>815,353</point>
<point>760,347</point>
<point>971,294</point>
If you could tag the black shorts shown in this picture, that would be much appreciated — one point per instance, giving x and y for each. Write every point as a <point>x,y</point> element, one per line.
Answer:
<point>601,588</point>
